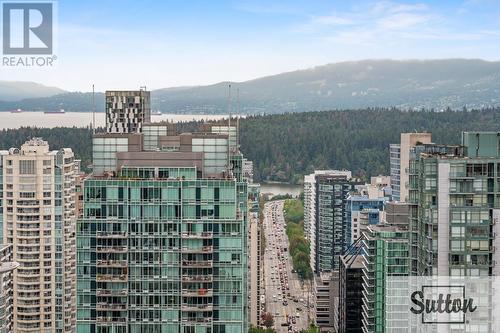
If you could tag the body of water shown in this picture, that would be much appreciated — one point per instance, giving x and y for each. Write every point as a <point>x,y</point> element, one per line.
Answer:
<point>280,189</point>
<point>81,119</point>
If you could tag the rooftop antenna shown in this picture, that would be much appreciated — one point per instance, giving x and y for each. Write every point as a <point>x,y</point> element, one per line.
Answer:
<point>229,128</point>
<point>93,109</point>
<point>144,116</point>
<point>238,119</point>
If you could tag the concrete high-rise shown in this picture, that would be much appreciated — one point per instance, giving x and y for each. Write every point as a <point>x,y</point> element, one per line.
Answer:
<point>395,166</point>
<point>7,267</point>
<point>162,246</point>
<point>401,153</point>
<point>38,204</point>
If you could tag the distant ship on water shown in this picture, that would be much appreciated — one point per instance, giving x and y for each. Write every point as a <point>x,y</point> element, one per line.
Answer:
<point>16,111</point>
<point>61,111</point>
<point>156,113</point>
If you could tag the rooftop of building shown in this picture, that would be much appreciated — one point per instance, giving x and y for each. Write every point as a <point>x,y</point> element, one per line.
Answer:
<point>359,197</point>
<point>352,261</point>
<point>34,146</point>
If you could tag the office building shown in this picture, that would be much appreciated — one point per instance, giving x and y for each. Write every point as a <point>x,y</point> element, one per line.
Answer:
<point>38,204</point>
<point>408,141</point>
<point>350,293</point>
<point>162,246</point>
<point>127,111</point>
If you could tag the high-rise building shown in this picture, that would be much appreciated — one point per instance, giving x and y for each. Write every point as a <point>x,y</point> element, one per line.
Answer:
<point>386,254</point>
<point>330,231</point>
<point>255,256</point>
<point>408,141</point>
<point>38,204</point>
<point>7,267</point>
<point>127,111</point>
<point>350,293</point>
<point>309,204</point>
<point>395,165</point>
<point>361,211</point>
<point>454,205</point>
<point>325,295</point>
<point>162,246</point>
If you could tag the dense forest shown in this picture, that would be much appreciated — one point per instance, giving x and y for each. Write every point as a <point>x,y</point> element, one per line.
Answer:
<point>287,146</point>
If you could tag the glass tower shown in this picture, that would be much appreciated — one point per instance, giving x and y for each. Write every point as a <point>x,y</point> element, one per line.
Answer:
<point>162,246</point>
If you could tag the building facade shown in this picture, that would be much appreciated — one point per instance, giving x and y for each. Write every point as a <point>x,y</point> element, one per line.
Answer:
<point>255,250</point>
<point>361,211</point>
<point>386,254</point>
<point>350,294</point>
<point>325,296</point>
<point>162,246</point>
<point>126,111</point>
<point>330,232</point>
<point>454,205</point>
<point>39,221</point>
<point>408,141</point>
<point>395,166</point>
<point>7,267</point>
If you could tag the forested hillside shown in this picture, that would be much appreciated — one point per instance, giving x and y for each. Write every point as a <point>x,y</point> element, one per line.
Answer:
<point>78,139</point>
<point>287,146</point>
<point>284,147</point>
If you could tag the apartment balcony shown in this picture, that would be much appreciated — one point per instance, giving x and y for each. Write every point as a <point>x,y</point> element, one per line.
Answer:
<point>111,292</point>
<point>197,235</point>
<point>103,306</point>
<point>111,263</point>
<point>203,249</point>
<point>197,307</point>
<point>107,234</point>
<point>28,204</point>
<point>202,292</point>
<point>194,321</point>
<point>111,320</point>
<point>197,263</point>
<point>111,249</point>
<point>112,278</point>
<point>197,278</point>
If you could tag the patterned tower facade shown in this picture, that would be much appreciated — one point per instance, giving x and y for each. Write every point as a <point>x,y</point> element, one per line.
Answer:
<point>126,111</point>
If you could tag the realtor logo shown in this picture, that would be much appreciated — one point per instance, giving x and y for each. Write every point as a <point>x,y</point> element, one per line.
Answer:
<point>27,28</point>
<point>442,304</point>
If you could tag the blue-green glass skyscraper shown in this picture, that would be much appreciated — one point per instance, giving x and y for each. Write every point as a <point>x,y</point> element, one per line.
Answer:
<point>162,246</point>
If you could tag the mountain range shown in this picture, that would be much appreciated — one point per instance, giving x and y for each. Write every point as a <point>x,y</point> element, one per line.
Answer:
<point>406,84</point>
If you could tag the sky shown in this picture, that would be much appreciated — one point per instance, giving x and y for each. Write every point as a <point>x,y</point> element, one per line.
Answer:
<point>128,44</point>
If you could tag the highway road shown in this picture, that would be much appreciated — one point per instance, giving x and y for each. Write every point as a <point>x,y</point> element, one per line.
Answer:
<point>286,297</point>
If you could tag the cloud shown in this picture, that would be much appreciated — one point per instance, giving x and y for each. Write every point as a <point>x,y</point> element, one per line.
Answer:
<point>401,20</point>
<point>332,20</point>
<point>391,23</point>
